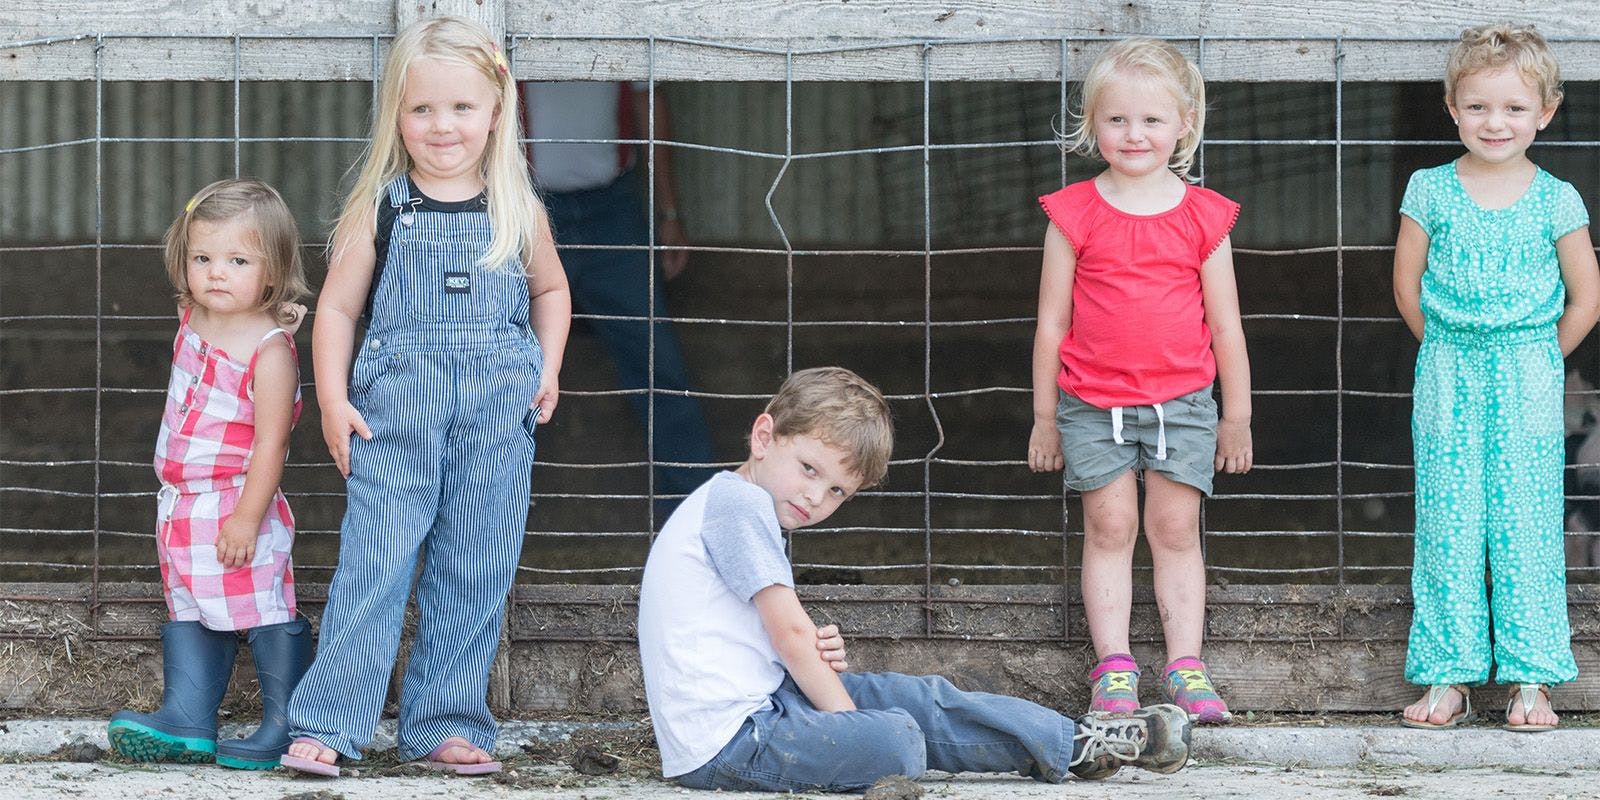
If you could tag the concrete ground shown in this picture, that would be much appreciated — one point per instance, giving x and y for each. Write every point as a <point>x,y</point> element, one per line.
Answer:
<point>1303,762</point>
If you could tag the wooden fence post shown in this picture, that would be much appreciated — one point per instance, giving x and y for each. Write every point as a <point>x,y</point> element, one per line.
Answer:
<point>491,14</point>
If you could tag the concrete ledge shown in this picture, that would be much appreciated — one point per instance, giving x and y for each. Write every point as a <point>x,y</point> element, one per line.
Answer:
<point>1299,747</point>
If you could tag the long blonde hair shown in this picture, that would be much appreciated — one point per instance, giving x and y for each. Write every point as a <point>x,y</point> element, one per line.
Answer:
<point>275,232</point>
<point>515,213</point>
<point>1153,60</point>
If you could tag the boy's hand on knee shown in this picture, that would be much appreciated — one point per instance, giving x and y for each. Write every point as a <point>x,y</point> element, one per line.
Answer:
<point>338,423</point>
<point>830,644</point>
<point>1044,447</point>
<point>236,542</point>
<point>1234,451</point>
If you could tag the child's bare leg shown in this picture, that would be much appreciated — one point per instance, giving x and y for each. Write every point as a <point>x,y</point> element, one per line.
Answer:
<point>1172,527</point>
<point>1110,524</point>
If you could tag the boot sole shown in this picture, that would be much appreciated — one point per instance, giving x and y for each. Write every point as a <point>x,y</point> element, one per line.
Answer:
<point>237,762</point>
<point>144,743</point>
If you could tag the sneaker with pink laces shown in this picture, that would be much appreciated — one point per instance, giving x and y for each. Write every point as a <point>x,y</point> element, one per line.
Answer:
<point>1114,685</point>
<point>1189,687</point>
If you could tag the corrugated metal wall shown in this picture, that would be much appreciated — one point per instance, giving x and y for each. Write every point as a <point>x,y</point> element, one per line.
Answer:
<point>979,196</point>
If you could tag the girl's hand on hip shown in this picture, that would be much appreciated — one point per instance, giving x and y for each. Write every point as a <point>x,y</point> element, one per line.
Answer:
<point>236,542</point>
<point>1044,447</point>
<point>1235,454</point>
<point>549,394</point>
<point>338,423</point>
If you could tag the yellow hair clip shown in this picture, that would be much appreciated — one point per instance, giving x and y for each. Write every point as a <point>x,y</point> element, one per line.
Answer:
<point>500,60</point>
<point>188,207</point>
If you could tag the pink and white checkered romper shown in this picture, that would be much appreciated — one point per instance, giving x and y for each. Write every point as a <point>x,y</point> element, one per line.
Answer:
<point>202,454</point>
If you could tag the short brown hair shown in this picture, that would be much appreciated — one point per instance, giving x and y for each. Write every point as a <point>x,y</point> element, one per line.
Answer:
<point>276,235</point>
<point>1495,47</point>
<point>840,408</point>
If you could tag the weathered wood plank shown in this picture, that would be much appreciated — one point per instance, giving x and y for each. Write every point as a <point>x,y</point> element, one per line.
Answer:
<point>866,40</point>
<point>570,648</point>
<point>819,20</point>
<point>491,14</point>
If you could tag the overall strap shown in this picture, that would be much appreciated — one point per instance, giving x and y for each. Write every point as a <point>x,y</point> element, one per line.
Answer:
<point>398,192</point>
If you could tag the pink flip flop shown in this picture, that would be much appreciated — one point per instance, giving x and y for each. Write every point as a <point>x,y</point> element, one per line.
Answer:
<point>431,760</point>
<point>311,766</point>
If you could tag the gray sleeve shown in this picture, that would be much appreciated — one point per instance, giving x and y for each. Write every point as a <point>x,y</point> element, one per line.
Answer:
<point>742,538</point>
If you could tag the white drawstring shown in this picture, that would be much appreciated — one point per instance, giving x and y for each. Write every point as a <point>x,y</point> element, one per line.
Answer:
<point>1161,433</point>
<point>1161,429</point>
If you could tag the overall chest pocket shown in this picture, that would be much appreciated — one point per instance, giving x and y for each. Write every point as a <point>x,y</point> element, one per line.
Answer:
<point>442,281</point>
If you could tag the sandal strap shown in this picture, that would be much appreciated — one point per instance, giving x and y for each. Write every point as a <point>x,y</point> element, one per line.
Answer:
<point>1436,693</point>
<point>1528,693</point>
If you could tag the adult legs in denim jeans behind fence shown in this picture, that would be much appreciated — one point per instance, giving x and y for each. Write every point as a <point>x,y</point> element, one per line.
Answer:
<point>903,725</point>
<point>617,283</point>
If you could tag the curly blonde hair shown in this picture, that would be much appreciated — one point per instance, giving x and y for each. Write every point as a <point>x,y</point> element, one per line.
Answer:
<point>1495,47</point>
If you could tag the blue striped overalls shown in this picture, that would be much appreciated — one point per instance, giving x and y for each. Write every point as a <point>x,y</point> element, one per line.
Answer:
<point>444,379</point>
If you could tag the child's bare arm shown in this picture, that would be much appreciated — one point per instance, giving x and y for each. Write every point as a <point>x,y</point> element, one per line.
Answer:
<point>794,636</point>
<point>1055,317</point>
<point>273,388</point>
<point>1581,277</point>
<point>333,341</point>
<point>551,307</point>
<point>1410,261</point>
<point>1220,293</point>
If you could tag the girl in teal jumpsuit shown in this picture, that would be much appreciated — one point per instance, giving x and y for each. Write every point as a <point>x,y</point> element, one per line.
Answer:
<point>1495,273</point>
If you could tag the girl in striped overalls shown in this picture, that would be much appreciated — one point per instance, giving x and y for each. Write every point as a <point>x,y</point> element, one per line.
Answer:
<point>224,527</point>
<point>446,250</point>
<point>1495,273</point>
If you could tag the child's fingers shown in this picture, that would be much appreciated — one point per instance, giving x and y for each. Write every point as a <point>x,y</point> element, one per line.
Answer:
<point>359,426</point>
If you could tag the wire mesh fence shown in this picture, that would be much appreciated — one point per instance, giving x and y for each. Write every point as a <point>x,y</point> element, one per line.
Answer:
<point>886,226</point>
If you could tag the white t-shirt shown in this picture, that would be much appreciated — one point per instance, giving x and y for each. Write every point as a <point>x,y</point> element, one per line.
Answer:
<point>708,662</point>
<point>575,110</point>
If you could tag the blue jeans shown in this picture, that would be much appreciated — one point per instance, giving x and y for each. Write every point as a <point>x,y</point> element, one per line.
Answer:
<point>616,283</point>
<point>903,725</point>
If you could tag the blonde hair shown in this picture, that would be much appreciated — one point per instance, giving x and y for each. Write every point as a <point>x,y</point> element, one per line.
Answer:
<point>515,213</point>
<point>1147,59</point>
<point>840,408</point>
<point>275,231</point>
<point>1495,47</point>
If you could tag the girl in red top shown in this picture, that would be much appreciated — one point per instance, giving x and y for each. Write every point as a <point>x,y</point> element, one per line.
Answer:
<point>1138,315</point>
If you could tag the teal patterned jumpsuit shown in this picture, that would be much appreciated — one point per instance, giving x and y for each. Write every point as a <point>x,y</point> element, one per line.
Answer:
<point>1487,431</point>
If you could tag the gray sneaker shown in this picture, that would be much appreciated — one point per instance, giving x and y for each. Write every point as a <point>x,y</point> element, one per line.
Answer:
<point>1155,738</point>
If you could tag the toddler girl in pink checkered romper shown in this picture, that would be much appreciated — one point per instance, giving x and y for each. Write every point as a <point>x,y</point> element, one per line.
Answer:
<point>224,529</point>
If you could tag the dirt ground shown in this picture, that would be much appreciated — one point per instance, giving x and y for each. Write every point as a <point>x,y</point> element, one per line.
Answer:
<point>28,780</point>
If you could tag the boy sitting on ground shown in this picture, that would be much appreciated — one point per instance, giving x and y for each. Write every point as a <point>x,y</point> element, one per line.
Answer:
<point>740,693</point>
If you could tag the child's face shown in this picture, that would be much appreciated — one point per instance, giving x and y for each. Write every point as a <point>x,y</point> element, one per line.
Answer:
<point>1498,113</point>
<point>225,267</point>
<point>806,476</point>
<point>1137,124</point>
<point>446,113</point>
